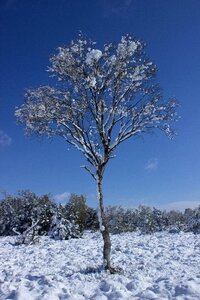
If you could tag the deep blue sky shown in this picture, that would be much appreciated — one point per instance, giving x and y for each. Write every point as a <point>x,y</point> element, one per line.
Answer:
<point>152,170</point>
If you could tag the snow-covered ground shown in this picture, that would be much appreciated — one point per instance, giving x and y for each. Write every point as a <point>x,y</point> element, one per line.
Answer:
<point>158,266</point>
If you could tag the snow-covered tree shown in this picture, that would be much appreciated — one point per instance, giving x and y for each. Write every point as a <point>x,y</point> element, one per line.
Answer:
<point>103,98</point>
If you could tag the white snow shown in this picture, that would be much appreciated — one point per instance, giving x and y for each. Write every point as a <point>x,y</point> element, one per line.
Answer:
<point>132,46</point>
<point>159,266</point>
<point>92,81</point>
<point>127,46</point>
<point>93,56</point>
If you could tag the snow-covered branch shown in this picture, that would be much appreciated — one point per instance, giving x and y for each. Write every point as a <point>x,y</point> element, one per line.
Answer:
<point>89,171</point>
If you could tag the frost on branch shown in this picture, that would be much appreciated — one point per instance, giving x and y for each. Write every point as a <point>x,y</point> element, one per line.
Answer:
<point>103,97</point>
<point>93,56</point>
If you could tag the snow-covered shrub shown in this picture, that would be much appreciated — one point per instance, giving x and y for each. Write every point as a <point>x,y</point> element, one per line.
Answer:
<point>144,218</point>
<point>120,219</point>
<point>173,229</point>
<point>29,236</point>
<point>43,212</point>
<point>91,222</point>
<point>175,221</point>
<point>160,220</point>
<point>21,211</point>
<point>192,220</point>
<point>145,222</point>
<point>115,219</point>
<point>15,213</point>
<point>61,227</point>
<point>7,217</point>
<point>76,210</point>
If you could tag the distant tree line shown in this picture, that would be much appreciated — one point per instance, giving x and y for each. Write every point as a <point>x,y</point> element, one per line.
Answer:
<point>29,216</point>
<point>149,220</point>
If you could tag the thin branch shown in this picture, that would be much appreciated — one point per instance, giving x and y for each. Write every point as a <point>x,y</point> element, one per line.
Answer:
<point>88,170</point>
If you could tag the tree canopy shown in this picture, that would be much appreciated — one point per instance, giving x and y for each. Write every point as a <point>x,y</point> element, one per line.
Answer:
<point>103,97</point>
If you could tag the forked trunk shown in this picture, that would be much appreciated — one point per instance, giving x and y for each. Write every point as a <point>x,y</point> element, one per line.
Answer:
<point>103,226</point>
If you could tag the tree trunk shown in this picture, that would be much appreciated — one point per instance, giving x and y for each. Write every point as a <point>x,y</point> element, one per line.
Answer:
<point>103,226</point>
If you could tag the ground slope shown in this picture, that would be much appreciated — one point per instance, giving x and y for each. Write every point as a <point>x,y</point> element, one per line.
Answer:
<point>158,266</point>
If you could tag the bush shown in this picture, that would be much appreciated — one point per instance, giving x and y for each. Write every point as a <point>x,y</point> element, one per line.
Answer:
<point>120,219</point>
<point>192,220</point>
<point>19,213</point>
<point>61,227</point>
<point>76,210</point>
<point>91,222</point>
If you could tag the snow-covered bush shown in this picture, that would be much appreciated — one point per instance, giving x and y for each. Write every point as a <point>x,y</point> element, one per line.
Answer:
<point>192,220</point>
<point>76,210</point>
<point>120,219</point>
<point>160,219</point>
<point>29,236</point>
<point>150,220</point>
<point>43,212</point>
<point>15,212</point>
<point>21,211</point>
<point>175,221</point>
<point>115,219</point>
<point>63,228</point>
<point>91,222</point>
<point>144,218</point>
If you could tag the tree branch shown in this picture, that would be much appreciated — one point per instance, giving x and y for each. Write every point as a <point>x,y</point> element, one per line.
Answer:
<point>88,170</point>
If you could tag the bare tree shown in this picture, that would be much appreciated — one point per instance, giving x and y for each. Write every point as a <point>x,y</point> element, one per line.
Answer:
<point>103,97</point>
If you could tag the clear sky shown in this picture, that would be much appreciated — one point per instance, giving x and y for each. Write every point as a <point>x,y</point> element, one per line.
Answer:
<point>151,170</point>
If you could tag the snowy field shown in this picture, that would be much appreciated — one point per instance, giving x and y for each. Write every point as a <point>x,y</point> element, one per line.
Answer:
<point>158,266</point>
